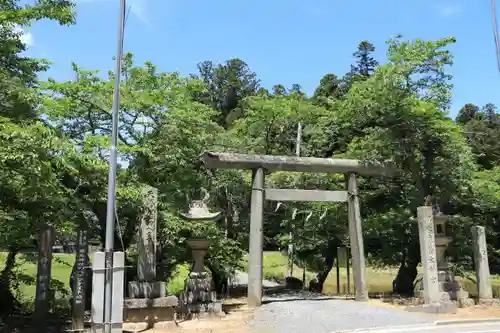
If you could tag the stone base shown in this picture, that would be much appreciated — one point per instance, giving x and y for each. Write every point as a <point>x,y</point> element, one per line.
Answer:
<point>148,290</point>
<point>150,310</point>
<point>488,301</point>
<point>143,326</point>
<point>461,303</point>
<point>433,308</point>
<point>198,290</point>
<point>214,308</point>
<point>466,302</point>
<point>449,291</point>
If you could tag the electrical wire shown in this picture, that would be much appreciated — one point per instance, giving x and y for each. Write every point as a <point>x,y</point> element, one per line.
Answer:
<point>495,31</point>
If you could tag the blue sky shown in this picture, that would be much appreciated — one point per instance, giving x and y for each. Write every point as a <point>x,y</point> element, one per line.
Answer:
<point>285,42</point>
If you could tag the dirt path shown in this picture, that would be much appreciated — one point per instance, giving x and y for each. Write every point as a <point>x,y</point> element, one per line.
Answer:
<point>236,321</point>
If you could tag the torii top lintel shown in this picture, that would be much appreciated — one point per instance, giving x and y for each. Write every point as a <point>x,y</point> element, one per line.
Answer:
<point>216,160</point>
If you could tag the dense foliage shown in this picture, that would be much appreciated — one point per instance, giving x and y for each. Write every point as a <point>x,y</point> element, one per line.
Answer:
<point>54,139</point>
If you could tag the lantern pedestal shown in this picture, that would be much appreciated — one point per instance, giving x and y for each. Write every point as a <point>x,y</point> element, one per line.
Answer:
<point>199,296</point>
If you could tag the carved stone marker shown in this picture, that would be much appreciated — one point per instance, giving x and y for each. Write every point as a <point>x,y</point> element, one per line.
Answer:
<point>45,243</point>
<point>146,286</point>
<point>80,281</point>
<point>428,254</point>
<point>146,262</point>
<point>483,279</point>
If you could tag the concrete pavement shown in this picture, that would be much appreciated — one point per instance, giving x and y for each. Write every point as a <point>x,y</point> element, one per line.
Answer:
<point>440,327</point>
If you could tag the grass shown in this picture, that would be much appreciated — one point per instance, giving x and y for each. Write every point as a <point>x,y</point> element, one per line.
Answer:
<point>379,279</point>
<point>62,264</point>
<point>274,266</point>
<point>26,265</point>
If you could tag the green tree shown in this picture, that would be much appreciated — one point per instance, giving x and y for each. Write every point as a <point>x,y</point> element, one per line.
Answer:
<point>365,62</point>
<point>389,119</point>
<point>467,113</point>
<point>490,115</point>
<point>17,72</point>
<point>226,85</point>
<point>330,89</point>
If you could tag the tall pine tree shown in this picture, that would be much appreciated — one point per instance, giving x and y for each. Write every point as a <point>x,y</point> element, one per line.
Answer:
<point>365,62</point>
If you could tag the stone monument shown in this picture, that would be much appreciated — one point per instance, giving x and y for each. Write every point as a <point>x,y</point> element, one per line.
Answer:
<point>481,265</point>
<point>147,298</point>
<point>146,285</point>
<point>199,295</point>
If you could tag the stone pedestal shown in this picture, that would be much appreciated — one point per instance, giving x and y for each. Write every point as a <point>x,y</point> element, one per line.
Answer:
<point>198,296</point>
<point>147,290</point>
<point>150,311</point>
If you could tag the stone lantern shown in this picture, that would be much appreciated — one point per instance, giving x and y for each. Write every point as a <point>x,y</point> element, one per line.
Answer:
<point>447,282</point>
<point>442,241</point>
<point>199,295</point>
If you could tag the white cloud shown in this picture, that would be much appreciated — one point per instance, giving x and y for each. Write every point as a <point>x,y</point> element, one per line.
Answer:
<point>450,10</point>
<point>25,36</point>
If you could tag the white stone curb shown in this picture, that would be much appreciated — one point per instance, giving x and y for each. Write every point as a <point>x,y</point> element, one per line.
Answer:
<point>419,327</point>
<point>466,321</point>
<point>402,328</point>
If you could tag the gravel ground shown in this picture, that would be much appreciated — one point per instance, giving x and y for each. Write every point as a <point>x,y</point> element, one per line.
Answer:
<point>310,313</point>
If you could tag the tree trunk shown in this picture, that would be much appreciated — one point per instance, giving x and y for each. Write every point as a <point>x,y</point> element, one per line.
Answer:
<point>316,285</point>
<point>403,284</point>
<point>219,278</point>
<point>9,303</point>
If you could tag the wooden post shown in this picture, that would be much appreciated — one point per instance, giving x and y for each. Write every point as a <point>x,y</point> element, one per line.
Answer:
<point>356,240</point>
<point>337,264</point>
<point>256,239</point>
<point>80,281</point>
<point>45,243</point>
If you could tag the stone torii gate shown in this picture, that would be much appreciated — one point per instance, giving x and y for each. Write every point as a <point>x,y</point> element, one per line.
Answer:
<point>259,163</point>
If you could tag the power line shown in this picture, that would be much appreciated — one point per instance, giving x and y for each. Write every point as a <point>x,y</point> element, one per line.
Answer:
<point>495,31</point>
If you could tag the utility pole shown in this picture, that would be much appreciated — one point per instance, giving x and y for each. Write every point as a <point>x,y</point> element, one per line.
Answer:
<point>290,235</point>
<point>111,204</point>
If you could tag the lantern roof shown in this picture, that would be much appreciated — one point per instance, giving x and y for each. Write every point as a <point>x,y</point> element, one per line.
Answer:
<point>198,210</point>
